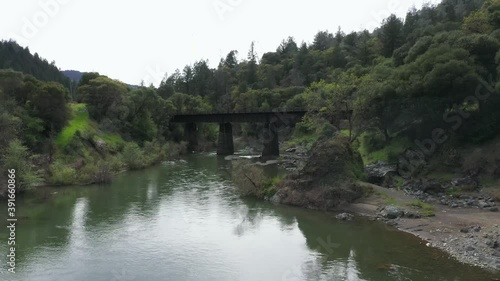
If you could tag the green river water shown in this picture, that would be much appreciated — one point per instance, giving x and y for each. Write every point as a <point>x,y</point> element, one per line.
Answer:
<point>183,221</point>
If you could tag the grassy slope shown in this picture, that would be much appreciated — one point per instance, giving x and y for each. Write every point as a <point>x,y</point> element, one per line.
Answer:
<point>393,148</point>
<point>81,122</point>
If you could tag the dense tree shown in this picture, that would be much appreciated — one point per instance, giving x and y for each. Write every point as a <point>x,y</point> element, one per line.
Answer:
<point>252,65</point>
<point>50,104</point>
<point>391,35</point>
<point>231,60</point>
<point>322,41</point>
<point>20,59</point>
<point>397,80</point>
<point>287,47</point>
<point>104,98</point>
<point>203,79</point>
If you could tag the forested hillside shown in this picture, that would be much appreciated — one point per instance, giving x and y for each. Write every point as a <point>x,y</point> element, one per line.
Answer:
<point>433,69</point>
<point>400,79</point>
<point>20,59</point>
<point>73,75</point>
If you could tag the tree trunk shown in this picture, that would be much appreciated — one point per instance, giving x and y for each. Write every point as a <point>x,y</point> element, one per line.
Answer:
<point>386,135</point>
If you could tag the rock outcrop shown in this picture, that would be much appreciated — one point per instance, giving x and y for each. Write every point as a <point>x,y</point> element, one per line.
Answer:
<point>380,172</point>
<point>328,178</point>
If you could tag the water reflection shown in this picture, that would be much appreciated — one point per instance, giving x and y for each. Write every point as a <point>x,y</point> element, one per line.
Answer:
<point>183,221</point>
<point>249,219</point>
<point>77,235</point>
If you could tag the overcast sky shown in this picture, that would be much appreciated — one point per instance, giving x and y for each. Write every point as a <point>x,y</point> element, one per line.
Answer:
<point>142,40</point>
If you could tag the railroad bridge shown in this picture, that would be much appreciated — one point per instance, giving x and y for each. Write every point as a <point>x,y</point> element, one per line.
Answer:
<point>272,120</point>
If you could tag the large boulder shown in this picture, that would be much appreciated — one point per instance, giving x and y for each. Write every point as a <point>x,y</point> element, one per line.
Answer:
<point>328,178</point>
<point>466,183</point>
<point>392,212</point>
<point>411,162</point>
<point>380,172</point>
<point>421,185</point>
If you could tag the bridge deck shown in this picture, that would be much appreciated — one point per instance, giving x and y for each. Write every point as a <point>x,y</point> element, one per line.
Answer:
<point>257,117</point>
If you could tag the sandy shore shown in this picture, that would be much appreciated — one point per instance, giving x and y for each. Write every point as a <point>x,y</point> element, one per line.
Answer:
<point>470,235</point>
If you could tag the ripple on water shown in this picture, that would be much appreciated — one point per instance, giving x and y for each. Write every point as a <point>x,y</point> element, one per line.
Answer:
<point>183,221</point>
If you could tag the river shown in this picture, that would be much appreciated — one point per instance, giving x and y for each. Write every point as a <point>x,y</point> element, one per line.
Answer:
<point>183,221</point>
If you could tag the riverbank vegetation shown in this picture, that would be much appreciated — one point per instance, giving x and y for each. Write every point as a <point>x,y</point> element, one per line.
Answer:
<point>428,81</point>
<point>251,181</point>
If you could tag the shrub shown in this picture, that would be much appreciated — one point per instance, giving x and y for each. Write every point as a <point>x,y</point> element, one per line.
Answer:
<point>87,173</point>
<point>268,188</point>
<point>62,174</point>
<point>133,156</point>
<point>103,172</point>
<point>154,153</point>
<point>311,129</point>
<point>373,141</point>
<point>17,156</point>
<point>116,163</point>
<point>251,181</point>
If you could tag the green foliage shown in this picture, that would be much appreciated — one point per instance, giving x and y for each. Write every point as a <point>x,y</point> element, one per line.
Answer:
<point>104,98</point>
<point>477,22</point>
<point>79,122</point>
<point>62,174</point>
<point>15,57</point>
<point>251,181</point>
<point>391,35</point>
<point>399,181</point>
<point>38,109</point>
<point>10,125</point>
<point>269,187</point>
<point>397,81</point>
<point>114,142</point>
<point>133,156</point>
<point>388,153</point>
<point>17,156</point>
<point>49,103</point>
<point>100,171</point>
<point>310,130</point>
<point>425,209</point>
<point>154,153</point>
<point>373,141</point>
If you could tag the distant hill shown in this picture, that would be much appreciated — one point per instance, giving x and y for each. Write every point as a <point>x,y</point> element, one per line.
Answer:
<point>73,75</point>
<point>18,58</point>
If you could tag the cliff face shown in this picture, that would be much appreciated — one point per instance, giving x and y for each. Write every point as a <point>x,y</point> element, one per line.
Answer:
<point>327,179</point>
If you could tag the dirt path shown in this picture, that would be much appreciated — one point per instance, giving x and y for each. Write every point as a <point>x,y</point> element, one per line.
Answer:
<point>468,234</point>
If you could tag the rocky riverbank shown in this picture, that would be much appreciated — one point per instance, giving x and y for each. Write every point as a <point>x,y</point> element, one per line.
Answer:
<point>469,234</point>
<point>465,224</point>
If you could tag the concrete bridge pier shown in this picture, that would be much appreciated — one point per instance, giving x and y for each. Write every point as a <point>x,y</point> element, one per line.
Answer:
<point>271,142</point>
<point>225,144</point>
<point>191,135</point>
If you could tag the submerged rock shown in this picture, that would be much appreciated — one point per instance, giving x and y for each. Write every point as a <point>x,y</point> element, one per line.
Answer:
<point>344,217</point>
